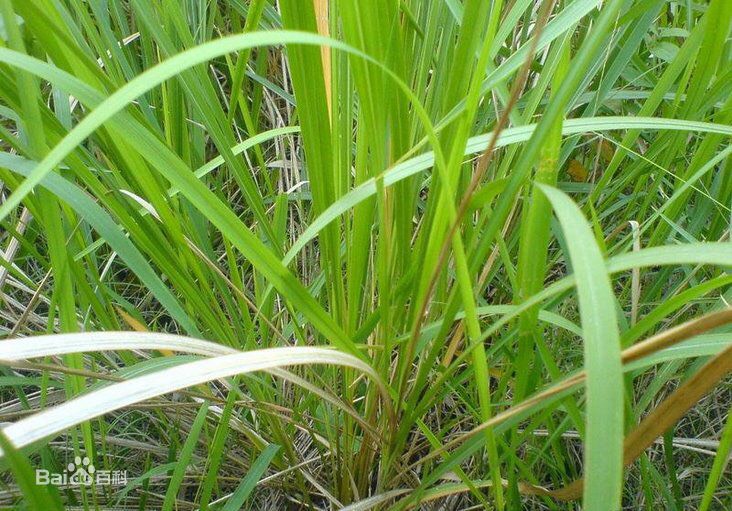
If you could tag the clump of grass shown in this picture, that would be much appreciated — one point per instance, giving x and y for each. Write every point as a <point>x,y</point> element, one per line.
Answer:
<point>353,255</point>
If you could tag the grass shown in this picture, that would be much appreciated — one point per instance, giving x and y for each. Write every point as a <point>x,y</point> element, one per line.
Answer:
<point>396,254</point>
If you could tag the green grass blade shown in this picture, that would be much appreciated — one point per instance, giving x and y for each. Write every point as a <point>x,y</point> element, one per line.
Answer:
<point>35,496</point>
<point>246,486</point>
<point>603,457</point>
<point>184,458</point>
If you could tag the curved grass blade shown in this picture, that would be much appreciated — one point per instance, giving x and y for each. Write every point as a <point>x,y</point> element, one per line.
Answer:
<point>167,69</point>
<point>62,344</point>
<point>174,169</point>
<point>477,144</point>
<point>50,345</point>
<point>118,395</point>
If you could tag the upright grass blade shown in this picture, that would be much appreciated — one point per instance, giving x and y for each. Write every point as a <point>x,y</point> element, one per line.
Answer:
<point>101,221</point>
<point>531,267</point>
<point>202,170</point>
<point>604,436</point>
<point>194,190</point>
<point>184,458</point>
<point>665,415</point>
<point>37,497</point>
<point>720,461</point>
<point>534,243</point>
<point>259,467</point>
